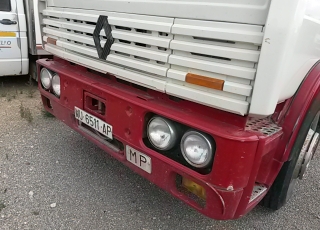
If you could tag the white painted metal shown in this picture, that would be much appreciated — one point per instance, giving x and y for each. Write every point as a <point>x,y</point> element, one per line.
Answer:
<point>215,42</point>
<point>29,14</point>
<point>104,67</point>
<point>219,51</point>
<point>136,64</point>
<point>23,40</point>
<point>263,55</point>
<point>24,53</point>
<point>78,48</point>
<point>206,98</point>
<point>146,53</point>
<point>10,45</point>
<point>210,66</point>
<point>14,58</point>
<point>60,13</point>
<point>10,67</point>
<point>237,88</point>
<point>74,47</point>
<point>224,94</point>
<point>67,35</point>
<point>12,15</point>
<point>147,45</point>
<point>291,46</point>
<point>213,57</point>
<point>313,8</point>
<point>69,25</point>
<point>219,30</point>
<point>239,11</point>
<point>181,72</point>
<point>37,23</point>
<point>141,22</point>
<point>161,42</point>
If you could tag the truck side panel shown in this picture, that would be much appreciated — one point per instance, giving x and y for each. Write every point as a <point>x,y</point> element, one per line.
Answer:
<point>291,46</point>
<point>12,34</point>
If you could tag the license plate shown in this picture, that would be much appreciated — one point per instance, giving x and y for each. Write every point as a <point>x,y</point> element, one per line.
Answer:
<point>93,122</point>
<point>138,159</point>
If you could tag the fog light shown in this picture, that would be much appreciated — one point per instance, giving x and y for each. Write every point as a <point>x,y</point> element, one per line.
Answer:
<point>194,188</point>
<point>46,78</point>
<point>56,84</point>
<point>196,149</point>
<point>162,133</point>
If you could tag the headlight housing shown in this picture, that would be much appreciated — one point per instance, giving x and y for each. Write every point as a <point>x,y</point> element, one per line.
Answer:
<point>196,149</point>
<point>162,133</point>
<point>46,78</point>
<point>56,85</point>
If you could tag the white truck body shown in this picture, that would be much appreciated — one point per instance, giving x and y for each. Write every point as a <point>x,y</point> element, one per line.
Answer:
<point>261,49</point>
<point>13,39</point>
<point>20,36</point>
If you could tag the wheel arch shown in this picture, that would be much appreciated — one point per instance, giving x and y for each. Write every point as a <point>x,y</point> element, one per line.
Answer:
<point>294,113</point>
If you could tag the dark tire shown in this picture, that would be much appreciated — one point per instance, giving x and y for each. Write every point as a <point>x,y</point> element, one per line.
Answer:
<point>283,186</point>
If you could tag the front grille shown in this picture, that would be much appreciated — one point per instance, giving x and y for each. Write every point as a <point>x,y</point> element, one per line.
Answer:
<point>158,52</point>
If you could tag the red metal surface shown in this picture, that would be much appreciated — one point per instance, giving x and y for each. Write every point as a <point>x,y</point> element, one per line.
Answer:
<point>260,170</point>
<point>289,115</point>
<point>296,110</point>
<point>239,153</point>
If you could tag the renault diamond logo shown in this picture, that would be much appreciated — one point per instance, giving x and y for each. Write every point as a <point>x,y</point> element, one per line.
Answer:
<point>103,23</point>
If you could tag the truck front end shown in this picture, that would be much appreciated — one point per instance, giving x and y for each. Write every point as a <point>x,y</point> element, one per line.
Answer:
<point>165,87</point>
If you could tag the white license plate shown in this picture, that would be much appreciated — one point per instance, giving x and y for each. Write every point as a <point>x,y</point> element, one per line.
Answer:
<point>94,122</point>
<point>139,159</point>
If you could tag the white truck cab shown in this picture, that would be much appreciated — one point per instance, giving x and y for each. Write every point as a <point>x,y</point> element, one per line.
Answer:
<point>20,40</point>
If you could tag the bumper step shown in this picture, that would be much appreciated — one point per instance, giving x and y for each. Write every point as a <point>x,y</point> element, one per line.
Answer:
<point>257,190</point>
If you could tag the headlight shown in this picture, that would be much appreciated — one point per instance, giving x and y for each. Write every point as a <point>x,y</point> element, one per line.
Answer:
<point>56,85</point>
<point>162,133</point>
<point>46,78</point>
<point>196,149</point>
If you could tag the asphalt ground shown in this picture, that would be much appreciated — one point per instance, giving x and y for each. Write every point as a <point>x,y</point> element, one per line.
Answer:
<point>53,178</point>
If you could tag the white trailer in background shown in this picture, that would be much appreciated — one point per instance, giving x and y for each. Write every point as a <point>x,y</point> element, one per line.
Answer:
<point>20,37</point>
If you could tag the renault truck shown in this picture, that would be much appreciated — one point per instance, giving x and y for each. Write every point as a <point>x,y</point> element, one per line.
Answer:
<point>216,102</point>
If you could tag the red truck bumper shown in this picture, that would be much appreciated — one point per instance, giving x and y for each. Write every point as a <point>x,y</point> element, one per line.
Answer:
<point>238,155</point>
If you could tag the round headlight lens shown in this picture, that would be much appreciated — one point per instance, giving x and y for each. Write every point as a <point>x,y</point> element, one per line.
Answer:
<point>162,133</point>
<point>45,78</point>
<point>196,149</point>
<point>56,85</point>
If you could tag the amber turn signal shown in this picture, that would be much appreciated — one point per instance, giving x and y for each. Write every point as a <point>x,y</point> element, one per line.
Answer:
<point>52,41</point>
<point>208,82</point>
<point>194,188</point>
